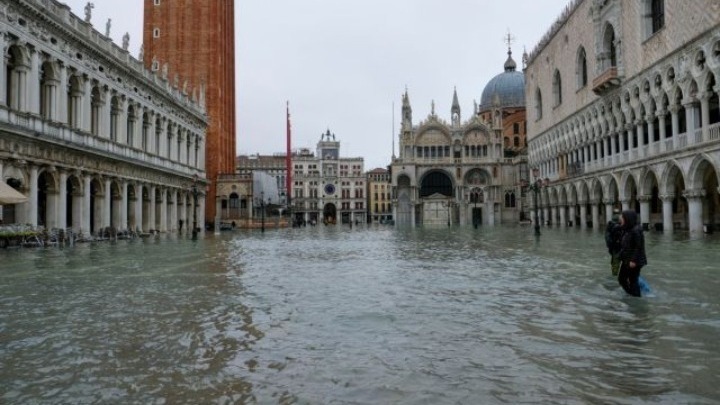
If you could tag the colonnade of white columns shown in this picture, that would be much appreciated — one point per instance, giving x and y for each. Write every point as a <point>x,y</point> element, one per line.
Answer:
<point>97,202</point>
<point>555,214</point>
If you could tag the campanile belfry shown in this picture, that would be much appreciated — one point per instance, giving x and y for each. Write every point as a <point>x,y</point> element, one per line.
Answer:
<point>193,43</point>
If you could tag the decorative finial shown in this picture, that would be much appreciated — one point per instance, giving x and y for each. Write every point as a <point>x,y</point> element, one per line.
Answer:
<point>108,24</point>
<point>509,39</point>
<point>432,110</point>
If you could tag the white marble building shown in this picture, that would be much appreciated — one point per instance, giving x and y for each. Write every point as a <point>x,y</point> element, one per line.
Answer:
<point>327,187</point>
<point>456,173</point>
<point>87,134</point>
<point>623,111</point>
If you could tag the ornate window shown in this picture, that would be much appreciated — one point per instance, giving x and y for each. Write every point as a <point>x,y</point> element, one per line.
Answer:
<point>114,115</point>
<point>509,199</point>
<point>581,68</point>
<point>557,88</point>
<point>609,49</point>
<point>131,125</point>
<point>95,106</point>
<point>657,14</point>
<point>653,17</point>
<point>538,104</point>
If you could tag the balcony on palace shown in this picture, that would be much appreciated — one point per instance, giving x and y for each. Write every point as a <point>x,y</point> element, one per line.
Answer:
<point>608,80</point>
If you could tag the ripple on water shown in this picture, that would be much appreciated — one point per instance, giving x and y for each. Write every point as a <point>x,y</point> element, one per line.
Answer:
<point>333,315</point>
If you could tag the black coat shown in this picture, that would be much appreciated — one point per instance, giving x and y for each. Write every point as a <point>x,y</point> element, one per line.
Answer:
<point>632,246</point>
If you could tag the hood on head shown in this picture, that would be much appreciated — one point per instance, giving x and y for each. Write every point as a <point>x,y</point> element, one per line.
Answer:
<point>630,217</point>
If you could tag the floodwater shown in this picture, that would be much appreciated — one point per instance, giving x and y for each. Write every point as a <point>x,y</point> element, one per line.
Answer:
<point>369,315</point>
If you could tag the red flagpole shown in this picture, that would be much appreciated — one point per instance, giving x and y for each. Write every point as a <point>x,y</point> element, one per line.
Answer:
<point>288,162</point>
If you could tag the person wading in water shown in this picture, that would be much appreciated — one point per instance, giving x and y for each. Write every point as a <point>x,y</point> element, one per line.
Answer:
<point>632,253</point>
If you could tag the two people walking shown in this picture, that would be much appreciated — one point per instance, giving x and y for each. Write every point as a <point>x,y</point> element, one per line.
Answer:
<point>626,245</point>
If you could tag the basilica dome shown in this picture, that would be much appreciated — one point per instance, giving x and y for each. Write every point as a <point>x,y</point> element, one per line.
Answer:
<point>509,87</point>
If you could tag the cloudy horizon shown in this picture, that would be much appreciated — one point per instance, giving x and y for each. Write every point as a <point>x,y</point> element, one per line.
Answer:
<point>344,67</point>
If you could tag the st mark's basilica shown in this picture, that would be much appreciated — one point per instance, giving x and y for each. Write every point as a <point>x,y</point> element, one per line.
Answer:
<point>464,172</point>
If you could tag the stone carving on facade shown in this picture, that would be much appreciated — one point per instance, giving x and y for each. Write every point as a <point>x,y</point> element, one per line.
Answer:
<point>126,41</point>
<point>108,24</point>
<point>164,73</point>
<point>141,53</point>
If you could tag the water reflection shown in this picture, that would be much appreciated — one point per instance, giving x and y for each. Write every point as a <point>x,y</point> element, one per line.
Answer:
<point>329,314</point>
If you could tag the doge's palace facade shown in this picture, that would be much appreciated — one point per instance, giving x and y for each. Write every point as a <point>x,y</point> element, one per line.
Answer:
<point>92,138</point>
<point>623,111</point>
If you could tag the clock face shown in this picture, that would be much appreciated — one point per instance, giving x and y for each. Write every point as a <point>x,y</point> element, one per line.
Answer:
<point>329,189</point>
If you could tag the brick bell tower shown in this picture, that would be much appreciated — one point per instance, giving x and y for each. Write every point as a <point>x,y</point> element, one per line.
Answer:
<point>196,39</point>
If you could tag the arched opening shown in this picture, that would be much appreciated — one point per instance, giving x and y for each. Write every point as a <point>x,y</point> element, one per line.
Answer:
<point>596,194</point>
<point>18,66</point>
<point>95,107</point>
<point>158,135</point>
<point>667,116</point>
<point>48,89</point>
<point>131,119</point>
<point>116,207</point>
<point>713,101</point>
<point>13,213</point>
<point>46,200</point>
<point>114,118</point>
<point>557,88</point>
<point>681,118</point>
<point>436,182</point>
<point>676,188</point>
<point>147,225</point>
<point>159,205</point>
<point>706,177</point>
<point>74,95</point>
<point>581,68</point>
<point>132,196</point>
<point>73,203</point>
<point>168,151</point>
<point>538,104</point>
<point>631,194</point>
<point>97,197</point>
<point>234,205</point>
<point>609,48</point>
<point>329,214</point>
<point>655,120</point>
<point>145,132</point>
<point>477,197</point>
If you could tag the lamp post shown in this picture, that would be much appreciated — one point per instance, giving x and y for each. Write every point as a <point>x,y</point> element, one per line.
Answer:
<point>195,201</point>
<point>262,211</point>
<point>535,187</point>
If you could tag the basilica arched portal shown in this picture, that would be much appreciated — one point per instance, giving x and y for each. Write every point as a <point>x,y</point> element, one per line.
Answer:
<point>436,194</point>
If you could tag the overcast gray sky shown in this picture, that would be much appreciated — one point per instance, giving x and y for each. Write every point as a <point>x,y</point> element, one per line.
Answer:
<point>342,64</point>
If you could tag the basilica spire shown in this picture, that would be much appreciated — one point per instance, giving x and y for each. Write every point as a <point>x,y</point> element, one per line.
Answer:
<point>455,109</point>
<point>406,110</point>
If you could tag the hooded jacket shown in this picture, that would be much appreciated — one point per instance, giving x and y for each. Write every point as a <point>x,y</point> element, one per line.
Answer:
<point>613,234</point>
<point>633,242</point>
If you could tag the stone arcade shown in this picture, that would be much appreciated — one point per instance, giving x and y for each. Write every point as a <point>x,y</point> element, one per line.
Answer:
<point>88,134</point>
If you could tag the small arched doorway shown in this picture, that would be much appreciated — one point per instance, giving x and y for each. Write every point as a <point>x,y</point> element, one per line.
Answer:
<point>330,214</point>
